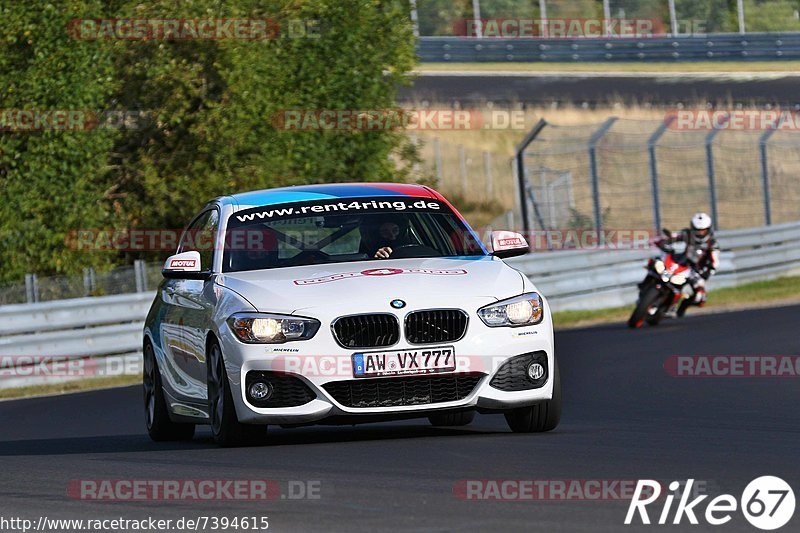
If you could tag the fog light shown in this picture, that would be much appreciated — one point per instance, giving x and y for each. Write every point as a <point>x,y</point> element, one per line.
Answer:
<point>260,390</point>
<point>535,371</point>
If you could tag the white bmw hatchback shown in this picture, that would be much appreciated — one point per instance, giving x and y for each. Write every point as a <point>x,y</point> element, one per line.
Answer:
<point>343,303</point>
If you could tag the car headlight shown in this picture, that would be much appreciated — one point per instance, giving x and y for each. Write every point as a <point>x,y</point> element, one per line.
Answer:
<point>678,279</point>
<point>523,310</point>
<point>659,266</point>
<point>262,328</point>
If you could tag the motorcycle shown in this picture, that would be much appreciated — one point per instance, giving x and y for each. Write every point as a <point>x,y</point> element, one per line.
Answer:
<point>664,287</point>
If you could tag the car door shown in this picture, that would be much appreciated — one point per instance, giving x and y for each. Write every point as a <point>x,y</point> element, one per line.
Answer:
<point>194,302</point>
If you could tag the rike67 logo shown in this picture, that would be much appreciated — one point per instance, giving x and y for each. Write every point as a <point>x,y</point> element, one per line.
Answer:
<point>767,503</point>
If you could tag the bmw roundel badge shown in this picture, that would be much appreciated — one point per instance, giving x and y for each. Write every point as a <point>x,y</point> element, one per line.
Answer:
<point>397,304</point>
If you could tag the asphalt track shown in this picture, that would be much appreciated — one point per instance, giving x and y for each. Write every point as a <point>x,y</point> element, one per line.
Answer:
<point>600,89</point>
<point>624,418</point>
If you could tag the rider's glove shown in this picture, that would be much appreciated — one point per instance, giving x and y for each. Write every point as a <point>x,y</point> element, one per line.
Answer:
<point>708,272</point>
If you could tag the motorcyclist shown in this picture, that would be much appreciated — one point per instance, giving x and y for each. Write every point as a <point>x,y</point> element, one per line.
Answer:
<point>702,253</point>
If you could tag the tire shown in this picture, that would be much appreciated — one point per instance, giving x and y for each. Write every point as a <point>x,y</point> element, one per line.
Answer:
<point>541,417</point>
<point>159,426</point>
<point>460,418</point>
<point>225,425</point>
<point>646,301</point>
<point>653,320</point>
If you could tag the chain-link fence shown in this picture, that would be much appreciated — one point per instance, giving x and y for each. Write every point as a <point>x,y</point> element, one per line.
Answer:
<point>139,277</point>
<point>470,175</point>
<point>644,174</point>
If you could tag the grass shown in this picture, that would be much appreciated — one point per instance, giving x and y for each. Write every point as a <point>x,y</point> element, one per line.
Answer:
<point>751,294</point>
<point>759,291</point>
<point>689,66</point>
<point>70,386</point>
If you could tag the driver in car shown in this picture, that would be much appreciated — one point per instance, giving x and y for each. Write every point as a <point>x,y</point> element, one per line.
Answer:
<point>388,234</point>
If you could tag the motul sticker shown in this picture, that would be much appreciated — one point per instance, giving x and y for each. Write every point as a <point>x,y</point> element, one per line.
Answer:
<point>510,243</point>
<point>377,272</point>
<point>182,263</point>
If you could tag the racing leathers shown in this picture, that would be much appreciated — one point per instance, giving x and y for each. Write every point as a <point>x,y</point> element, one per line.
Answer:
<point>703,256</point>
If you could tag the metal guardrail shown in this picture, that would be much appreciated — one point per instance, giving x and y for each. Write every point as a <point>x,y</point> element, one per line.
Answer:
<point>102,334</point>
<point>96,327</point>
<point>713,46</point>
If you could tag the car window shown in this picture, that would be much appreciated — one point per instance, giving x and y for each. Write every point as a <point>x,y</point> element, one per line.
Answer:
<point>337,231</point>
<point>200,236</point>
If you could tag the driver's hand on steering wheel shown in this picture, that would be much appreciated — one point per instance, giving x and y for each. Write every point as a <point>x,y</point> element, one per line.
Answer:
<point>383,253</point>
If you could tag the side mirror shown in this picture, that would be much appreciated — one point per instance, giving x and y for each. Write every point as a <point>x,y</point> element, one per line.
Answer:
<point>508,244</point>
<point>184,266</point>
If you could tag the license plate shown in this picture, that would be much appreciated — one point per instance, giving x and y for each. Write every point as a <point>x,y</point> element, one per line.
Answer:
<point>401,362</point>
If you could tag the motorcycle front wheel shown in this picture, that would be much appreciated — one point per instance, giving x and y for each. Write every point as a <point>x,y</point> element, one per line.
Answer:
<point>647,299</point>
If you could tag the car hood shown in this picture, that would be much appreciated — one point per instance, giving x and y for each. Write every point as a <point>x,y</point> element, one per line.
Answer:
<point>361,286</point>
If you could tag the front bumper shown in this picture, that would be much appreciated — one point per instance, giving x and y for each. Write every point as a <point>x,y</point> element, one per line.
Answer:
<point>321,361</point>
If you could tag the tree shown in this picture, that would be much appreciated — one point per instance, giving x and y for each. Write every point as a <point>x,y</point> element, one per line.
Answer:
<point>207,105</point>
<point>52,180</point>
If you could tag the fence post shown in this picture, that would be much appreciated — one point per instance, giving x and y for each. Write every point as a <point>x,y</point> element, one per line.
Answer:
<point>414,18</point>
<point>740,15</point>
<point>31,288</point>
<point>139,275</point>
<point>415,168</point>
<point>517,192</point>
<point>476,14</point>
<point>712,182</point>
<point>522,180</point>
<point>487,171</point>
<point>762,144</point>
<point>547,201</point>
<point>543,17</point>
<point>673,20</point>
<point>593,140</point>
<point>437,161</point>
<point>89,281</point>
<point>462,169</point>
<point>651,149</point>
<point>606,18</point>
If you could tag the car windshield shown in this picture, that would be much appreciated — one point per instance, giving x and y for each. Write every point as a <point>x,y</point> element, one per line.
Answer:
<point>344,230</point>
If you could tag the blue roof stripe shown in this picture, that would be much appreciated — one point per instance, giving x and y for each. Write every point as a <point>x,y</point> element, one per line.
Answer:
<point>302,193</point>
<point>257,198</point>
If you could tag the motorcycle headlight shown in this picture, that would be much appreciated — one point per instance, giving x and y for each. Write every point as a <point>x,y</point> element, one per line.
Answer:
<point>659,266</point>
<point>678,279</point>
<point>523,310</point>
<point>262,328</point>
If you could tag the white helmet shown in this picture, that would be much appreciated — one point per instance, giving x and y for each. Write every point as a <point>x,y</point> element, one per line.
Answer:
<point>701,228</point>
